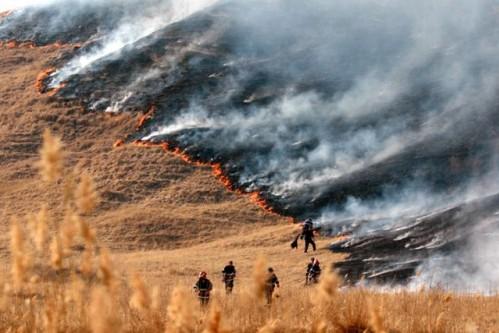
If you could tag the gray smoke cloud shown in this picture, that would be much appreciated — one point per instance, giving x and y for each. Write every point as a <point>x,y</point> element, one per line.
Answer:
<point>364,115</point>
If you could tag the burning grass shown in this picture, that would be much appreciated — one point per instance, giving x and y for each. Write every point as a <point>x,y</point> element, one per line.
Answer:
<point>217,168</point>
<point>41,86</point>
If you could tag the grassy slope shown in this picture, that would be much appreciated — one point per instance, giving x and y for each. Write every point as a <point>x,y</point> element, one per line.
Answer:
<point>156,211</point>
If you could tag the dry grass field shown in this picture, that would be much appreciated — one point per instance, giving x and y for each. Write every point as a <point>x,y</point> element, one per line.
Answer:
<point>125,231</point>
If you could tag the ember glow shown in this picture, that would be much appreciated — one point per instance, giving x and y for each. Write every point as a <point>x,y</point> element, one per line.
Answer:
<point>377,119</point>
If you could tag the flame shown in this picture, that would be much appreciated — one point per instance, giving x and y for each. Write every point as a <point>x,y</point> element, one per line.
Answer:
<point>40,83</point>
<point>30,44</point>
<point>145,117</point>
<point>217,169</point>
<point>118,143</point>
<point>40,79</point>
<point>256,198</point>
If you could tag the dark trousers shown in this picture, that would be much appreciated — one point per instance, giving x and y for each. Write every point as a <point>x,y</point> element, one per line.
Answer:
<point>269,290</point>
<point>229,285</point>
<point>309,241</point>
<point>204,297</point>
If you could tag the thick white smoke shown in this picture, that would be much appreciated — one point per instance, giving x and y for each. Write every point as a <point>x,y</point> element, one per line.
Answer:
<point>149,17</point>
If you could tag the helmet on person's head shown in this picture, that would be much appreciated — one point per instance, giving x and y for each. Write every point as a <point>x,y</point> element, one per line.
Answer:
<point>202,274</point>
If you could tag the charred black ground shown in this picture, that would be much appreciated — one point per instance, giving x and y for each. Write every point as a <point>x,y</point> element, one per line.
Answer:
<point>225,92</point>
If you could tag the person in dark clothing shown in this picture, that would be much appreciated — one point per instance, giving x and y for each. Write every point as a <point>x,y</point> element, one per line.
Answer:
<point>314,272</point>
<point>270,284</point>
<point>229,275</point>
<point>203,288</point>
<point>308,234</point>
<point>309,268</point>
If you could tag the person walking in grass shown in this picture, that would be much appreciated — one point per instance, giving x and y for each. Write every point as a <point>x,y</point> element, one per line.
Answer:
<point>308,234</point>
<point>313,272</point>
<point>270,284</point>
<point>229,275</point>
<point>203,289</point>
<point>309,267</point>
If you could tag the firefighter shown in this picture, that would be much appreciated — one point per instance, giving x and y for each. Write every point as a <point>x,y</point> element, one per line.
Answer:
<point>229,275</point>
<point>309,267</point>
<point>308,234</point>
<point>270,284</point>
<point>314,272</point>
<point>203,288</point>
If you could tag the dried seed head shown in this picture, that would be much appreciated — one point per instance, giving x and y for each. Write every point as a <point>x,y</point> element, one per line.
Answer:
<point>56,254</point>
<point>51,157</point>
<point>86,195</point>
<point>260,276</point>
<point>141,298</point>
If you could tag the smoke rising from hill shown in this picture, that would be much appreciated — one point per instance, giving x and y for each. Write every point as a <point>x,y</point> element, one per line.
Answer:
<point>367,116</point>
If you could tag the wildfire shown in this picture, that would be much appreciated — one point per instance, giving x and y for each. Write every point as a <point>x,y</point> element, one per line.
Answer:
<point>145,118</point>
<point>40,83</point>
<point>118,143</point>
<point>14,44</point>
<point>29,44</point>
<point>257,198</point>
<point>217,169</point>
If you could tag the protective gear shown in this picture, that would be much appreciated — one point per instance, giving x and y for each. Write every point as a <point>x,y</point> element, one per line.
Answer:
<point>308,234</point>
<point>270,284</point>
<point>203,288</point>
<point>313,272</point>
<point>229,275</point>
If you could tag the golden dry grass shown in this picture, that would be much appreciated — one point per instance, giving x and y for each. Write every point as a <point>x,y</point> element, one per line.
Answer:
<point>58,275</point>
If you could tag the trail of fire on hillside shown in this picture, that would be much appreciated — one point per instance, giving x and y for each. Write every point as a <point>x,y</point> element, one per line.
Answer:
<point>217,169</point>
<point>30,44</point>
<point>42,88</point>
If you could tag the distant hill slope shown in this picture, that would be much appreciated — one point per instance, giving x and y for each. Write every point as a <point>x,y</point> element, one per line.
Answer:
<point>150,199</point>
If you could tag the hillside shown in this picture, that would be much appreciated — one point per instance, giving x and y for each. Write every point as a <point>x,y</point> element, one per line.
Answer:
<point>154,206</point>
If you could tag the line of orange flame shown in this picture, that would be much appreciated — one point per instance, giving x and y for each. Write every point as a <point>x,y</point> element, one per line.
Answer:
<point>40,83</point>
<point>217,170</point>
<point>29,44</point>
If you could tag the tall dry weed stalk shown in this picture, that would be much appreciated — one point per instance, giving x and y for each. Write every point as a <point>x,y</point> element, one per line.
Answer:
<point>103,317</point>
<point>69,230</point>
<point>181,312</point>
<point>376,322</point>
<point>106,273</point>
<point>20,256</point>
<point>51,157</point>
<point>86,194</point>
<point>141,298</point>
<point>56,254</point>
<point>260,276</point>
<point>214,320</point>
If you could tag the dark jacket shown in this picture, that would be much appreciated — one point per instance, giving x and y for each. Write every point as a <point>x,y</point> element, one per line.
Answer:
<point>272,281</point>
<point>203,285</point>
<point>229,269</point>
